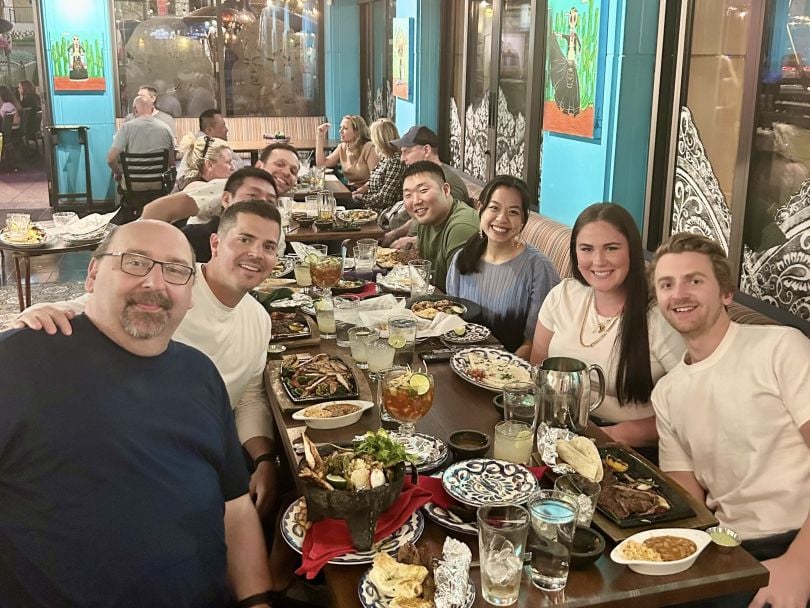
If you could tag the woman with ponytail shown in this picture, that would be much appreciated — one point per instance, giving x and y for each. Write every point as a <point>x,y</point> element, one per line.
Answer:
<point>498,271</point>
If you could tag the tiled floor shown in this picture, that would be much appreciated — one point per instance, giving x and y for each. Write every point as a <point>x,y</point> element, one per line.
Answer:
<point>24,189</point>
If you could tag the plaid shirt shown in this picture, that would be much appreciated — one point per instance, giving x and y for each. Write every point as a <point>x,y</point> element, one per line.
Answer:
<point>384,184</point>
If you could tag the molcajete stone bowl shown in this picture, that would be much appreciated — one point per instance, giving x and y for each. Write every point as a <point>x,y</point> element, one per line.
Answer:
<point>360,509</point>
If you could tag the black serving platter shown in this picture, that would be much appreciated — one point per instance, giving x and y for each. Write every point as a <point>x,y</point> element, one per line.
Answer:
<point>472,311</point>
<point>638,469</point>
<point>353,394</point>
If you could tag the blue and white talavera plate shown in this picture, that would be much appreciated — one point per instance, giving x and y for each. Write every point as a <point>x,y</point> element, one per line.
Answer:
<point>490,368</point>
<point>473,332</point>
<point>371,598</point>
<point>293,533</point>
<point>482,481</point>
<point>283,267</point>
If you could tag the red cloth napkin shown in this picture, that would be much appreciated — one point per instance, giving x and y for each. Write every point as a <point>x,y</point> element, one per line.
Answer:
<point>329,538</point>
<point>442,499</point>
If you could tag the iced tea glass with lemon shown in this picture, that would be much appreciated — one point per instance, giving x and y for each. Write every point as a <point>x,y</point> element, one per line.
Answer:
<point>407,396</point>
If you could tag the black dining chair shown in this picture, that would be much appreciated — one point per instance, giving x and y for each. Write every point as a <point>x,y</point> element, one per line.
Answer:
<point>144,179</point>
<point>11,144</point>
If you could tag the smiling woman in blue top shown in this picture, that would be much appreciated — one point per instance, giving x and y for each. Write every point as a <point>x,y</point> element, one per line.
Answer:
<point>508,278</point>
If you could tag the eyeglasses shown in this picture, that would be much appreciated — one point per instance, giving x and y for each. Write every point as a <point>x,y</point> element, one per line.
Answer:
<point>139,265</point>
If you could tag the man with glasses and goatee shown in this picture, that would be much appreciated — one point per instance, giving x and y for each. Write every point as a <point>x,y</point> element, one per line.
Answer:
<point>122,481</point>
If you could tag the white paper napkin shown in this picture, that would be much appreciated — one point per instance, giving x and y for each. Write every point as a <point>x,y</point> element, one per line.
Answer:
<point>424,328</point>
<point>86,225</point>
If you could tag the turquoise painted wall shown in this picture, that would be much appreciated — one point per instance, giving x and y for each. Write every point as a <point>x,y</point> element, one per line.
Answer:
<point>341,61</point>
<point>96,110</point>
<point>576,171</point>
<point>424,109</point>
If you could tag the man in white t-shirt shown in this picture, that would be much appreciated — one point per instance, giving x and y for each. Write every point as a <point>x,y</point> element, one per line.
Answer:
<point>226,324</point>
<point>734,416</point>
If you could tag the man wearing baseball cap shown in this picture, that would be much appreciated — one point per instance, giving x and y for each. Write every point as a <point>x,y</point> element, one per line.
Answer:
<point>421,143</point>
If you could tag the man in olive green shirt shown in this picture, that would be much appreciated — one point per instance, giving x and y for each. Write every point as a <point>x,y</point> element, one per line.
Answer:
<point>444,224</point>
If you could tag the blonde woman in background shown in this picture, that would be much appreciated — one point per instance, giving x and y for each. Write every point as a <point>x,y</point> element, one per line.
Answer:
<point>355,153</point>
<point>206,158</point>
<point>384,186</point>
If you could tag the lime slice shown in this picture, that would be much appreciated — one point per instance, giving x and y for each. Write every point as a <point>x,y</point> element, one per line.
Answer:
<point>460,331</point>
<point>337,481</point>
<point>324,304</point>
<point>311,258</point>
<point>397,341</point>
<point>420,383</point>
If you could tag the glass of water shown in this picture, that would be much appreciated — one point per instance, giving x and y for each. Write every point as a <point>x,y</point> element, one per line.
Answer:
<point>554,521</point>
<point>502,532</point>
<point>585,491</point>
<point>420,277</point>
<point>346,317</point>
<point>325,315</point>
<point>359,337</point>
<point>520,403</point>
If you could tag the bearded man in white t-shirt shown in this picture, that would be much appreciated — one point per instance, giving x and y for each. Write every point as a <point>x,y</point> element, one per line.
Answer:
<point>734,416</point>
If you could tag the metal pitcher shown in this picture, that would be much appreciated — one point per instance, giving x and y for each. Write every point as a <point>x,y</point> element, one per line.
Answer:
<point>564,392</point>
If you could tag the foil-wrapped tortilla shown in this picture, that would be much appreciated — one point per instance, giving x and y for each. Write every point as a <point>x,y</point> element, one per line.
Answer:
<point>452,575</point>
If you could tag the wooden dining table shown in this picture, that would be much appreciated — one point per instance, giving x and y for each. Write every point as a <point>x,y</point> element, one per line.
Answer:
<point>459,404</point>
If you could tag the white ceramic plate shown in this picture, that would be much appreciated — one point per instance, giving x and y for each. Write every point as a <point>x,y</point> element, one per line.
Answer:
<point>699,537</point>
<point>46,237</point>
<point>283,267</point>
<point>410,531</point>
<point>371,598</point>
<point>357,216</point>
<point>482,481</point>
<point>473,333</point>
<point>336,422</point>
<point>504,367</point>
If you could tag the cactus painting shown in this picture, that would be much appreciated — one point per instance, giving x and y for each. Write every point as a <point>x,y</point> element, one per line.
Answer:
<point>77,62</point>
<point>572,66</point>
<point>403,58</point>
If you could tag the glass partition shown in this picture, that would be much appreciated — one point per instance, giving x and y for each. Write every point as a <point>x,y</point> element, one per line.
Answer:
<point>253,58</point>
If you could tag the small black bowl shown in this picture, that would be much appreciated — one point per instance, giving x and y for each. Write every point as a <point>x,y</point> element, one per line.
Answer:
<point>587,547</point>
<point>324,225</point>
<point>469,444</point>
<point>497,401</point>
<point>304,221</point>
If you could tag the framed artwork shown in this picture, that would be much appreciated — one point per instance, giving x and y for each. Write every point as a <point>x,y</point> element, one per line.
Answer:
<point>403,58</point>
<point>572,67</point>
<point>77,62</point>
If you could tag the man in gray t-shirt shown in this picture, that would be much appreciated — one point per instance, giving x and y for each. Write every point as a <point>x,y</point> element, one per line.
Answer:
<point>142,135</point>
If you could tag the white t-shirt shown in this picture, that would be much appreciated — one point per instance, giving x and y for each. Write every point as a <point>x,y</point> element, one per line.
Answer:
<point>562,313</point>
<point>236,340</point>
<point>208,196</point>
<point>733,419</point>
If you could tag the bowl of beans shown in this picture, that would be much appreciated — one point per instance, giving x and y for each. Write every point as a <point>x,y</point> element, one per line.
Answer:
<point>663,551</point>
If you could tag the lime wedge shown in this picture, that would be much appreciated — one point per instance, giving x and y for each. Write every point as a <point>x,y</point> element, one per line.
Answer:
<point>460,331</point>
<point>337,481</point>
<point>397,341</point>
<point>311,258</point>
<point>420,383</point>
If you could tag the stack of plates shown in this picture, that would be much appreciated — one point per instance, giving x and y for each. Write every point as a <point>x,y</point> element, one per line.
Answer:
<point>85,237</point>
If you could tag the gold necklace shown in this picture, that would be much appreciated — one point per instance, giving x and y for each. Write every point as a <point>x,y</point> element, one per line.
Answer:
<point>602,328</point>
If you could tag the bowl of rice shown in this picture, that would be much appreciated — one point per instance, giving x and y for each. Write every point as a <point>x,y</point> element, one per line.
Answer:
<point>333,414</point>
<point>663,551</point>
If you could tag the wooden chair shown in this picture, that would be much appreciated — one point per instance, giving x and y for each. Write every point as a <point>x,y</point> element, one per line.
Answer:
<point>143,182</point>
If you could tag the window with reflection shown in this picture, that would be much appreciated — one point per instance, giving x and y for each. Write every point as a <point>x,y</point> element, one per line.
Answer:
<point>252,58</point>
<point>776,234</point>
